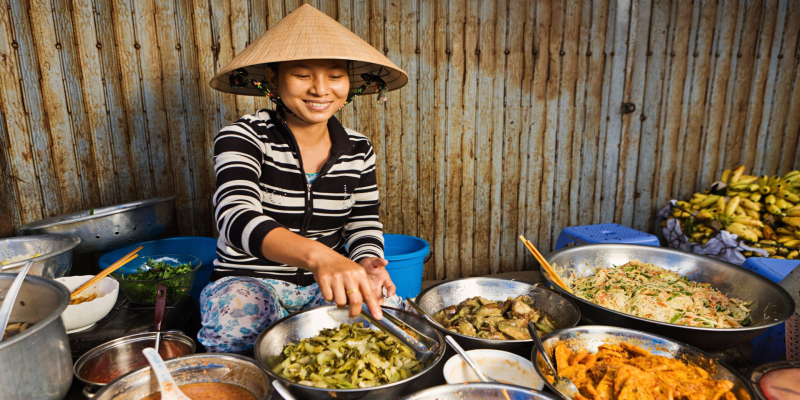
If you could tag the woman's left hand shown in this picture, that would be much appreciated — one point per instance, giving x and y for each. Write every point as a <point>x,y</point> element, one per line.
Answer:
<point>377,274</point>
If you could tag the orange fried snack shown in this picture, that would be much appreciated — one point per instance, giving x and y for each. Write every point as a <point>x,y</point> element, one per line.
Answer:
<point>628,372</point>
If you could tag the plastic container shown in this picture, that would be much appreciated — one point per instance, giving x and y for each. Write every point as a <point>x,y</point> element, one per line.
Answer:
<point>144,292</point>
<point>204,248</point>
<point>603,233</point>
<point>406,256</point>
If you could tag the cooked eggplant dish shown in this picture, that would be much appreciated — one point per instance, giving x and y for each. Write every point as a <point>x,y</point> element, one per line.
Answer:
<point>351,356</point>
<point>495,319</point>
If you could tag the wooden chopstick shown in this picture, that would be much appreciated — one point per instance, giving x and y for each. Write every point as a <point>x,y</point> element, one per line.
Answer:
<point>111,268</point>
<point>546,265</point>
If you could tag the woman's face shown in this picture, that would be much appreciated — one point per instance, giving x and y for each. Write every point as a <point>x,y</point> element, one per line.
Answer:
<point>313,89</point>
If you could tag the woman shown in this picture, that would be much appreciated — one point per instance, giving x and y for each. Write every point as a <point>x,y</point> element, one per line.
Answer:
<point>296,202</point>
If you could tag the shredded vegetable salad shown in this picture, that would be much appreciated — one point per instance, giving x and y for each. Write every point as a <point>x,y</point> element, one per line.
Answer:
<point>647,291</point>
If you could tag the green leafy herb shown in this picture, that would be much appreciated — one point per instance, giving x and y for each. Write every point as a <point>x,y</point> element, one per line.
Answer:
<point>141,287</point>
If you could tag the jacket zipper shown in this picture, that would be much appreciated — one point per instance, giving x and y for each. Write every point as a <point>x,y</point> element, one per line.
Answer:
<point>308,211</point>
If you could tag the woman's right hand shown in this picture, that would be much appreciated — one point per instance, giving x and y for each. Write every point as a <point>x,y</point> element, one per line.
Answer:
<point>343,281</point>
<point>340,279</point>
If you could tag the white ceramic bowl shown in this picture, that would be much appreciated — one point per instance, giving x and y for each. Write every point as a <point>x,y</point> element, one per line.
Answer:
<point>85,314</point>
<point>501,365</point>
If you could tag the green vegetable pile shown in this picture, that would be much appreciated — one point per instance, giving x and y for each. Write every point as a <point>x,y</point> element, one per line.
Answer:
<point>348,357</point>
<point>158,270</point>
<point>141,288</point>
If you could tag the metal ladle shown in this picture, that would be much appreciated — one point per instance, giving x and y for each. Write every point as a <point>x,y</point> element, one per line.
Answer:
<point>11,297</point>
<point>561,384</point>
<point>452,342</point>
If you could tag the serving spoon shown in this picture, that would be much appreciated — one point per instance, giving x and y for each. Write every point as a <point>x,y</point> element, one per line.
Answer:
<point>452,342</point>
<point>282,390</point>
<point>169,389</point>
<point>11,297</point>
<point>561,383</point>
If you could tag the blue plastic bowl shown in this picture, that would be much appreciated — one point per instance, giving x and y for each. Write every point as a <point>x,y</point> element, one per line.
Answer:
<point>406,255</point>
<point>204,248</point>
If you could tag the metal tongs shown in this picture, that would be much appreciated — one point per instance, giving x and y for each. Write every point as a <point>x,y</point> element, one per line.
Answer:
<point>424,348</point>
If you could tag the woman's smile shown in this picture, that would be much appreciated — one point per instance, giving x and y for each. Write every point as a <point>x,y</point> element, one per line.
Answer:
<point>318,105</point>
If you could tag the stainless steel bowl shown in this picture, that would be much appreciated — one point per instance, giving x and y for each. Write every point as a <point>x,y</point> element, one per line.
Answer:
<point>485,391</point>
<point>433,299</point>
<point>110,360</point>
<point>110,227</point>
<point>592,336</point>
<point>198,368</point>
<point>306,324</point>
<point>55,260</point>
<point>36,364</point>
<point>771,305</point>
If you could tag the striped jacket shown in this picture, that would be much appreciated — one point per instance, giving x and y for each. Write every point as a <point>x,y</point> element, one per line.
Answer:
<point>261,186</point>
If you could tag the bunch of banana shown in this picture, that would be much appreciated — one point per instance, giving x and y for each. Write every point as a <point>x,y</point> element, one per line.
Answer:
<point>762,210</point>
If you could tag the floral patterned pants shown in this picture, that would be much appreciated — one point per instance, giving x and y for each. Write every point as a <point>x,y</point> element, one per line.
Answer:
<point>235,310</point>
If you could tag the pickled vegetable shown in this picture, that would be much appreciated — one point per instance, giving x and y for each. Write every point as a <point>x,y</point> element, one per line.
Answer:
<point>349,357</point>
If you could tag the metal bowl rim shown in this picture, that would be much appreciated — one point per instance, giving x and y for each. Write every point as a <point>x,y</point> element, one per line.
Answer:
<point>75,242</point>
<point>46,321</point>
<point>440,355</point>
<point>487,385</point>
<point>524,341</point>
<point>647,335</point>
<point>114,275</point>
<point>116,209</point>
<point>782,292</point>
<point>99,349</point>
<point>223,356</point>
<point>754,376</point>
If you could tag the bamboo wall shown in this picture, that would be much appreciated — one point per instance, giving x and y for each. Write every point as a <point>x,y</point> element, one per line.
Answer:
<point>520,116</point>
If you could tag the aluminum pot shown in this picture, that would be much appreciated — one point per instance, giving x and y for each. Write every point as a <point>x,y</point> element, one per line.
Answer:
<point>110,360</point>
<point>37,363</point>
<point>55,260</point>
<point>197,368</point>
<point>771,304</point>
<point>109,227</point>
<point>306,324</point>
<point>565,313</point>
<point>591,337</point>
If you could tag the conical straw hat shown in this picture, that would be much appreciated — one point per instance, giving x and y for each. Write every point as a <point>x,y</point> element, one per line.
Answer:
<point>307,34</point>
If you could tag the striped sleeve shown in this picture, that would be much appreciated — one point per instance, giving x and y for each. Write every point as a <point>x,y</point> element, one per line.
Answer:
<point>238,155</point>
<point>363,231</point>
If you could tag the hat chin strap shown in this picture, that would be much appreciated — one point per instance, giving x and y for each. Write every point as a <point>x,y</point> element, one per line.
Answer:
<point>240,78</point>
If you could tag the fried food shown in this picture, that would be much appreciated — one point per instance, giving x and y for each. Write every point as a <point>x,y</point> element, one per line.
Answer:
<point>15,328</point>
<point>496,320</point>
<point>82,299</point>
<point>627,372</point>
<point>348,357</point>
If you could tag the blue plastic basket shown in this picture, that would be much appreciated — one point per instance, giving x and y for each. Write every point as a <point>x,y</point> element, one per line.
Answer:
<point>603,233</point>
<point>406,256</point>
<point>770,346</point>
<point>204,248</point>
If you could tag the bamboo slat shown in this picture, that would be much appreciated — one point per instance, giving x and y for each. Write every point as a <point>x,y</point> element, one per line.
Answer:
<point>483,142</point>
<point>468,96</point>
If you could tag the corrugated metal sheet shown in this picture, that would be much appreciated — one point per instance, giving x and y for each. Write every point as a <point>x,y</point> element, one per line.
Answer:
<point>513,121</point>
